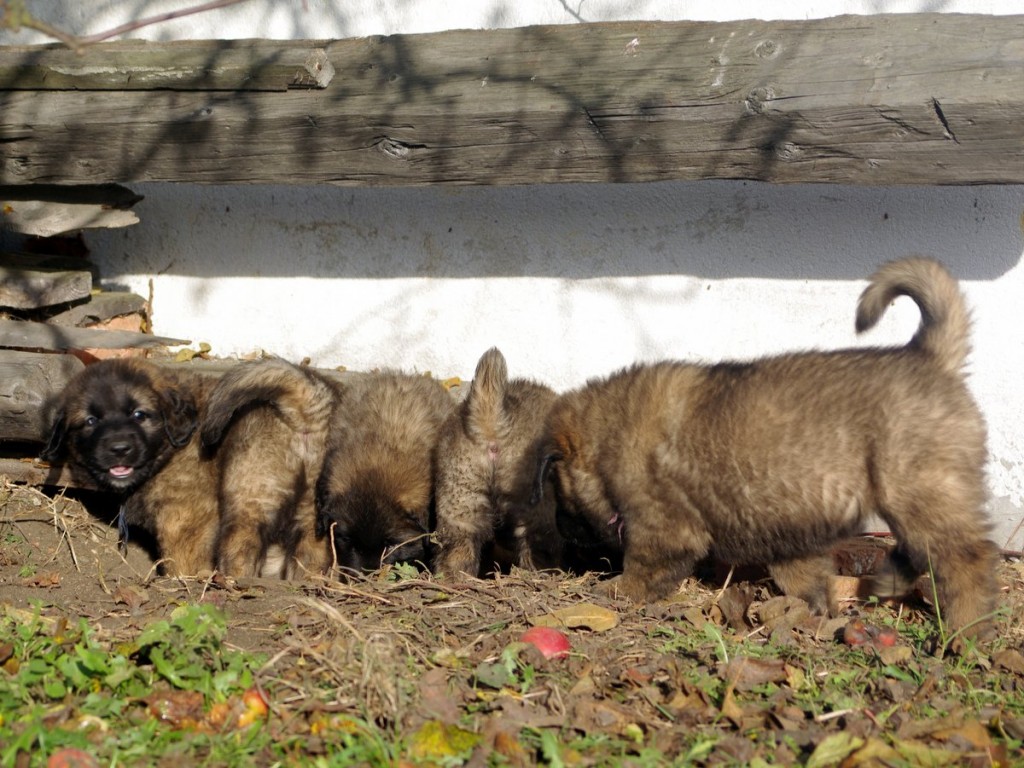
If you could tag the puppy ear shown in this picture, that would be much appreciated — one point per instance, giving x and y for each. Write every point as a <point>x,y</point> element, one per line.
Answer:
<point>181,417</point>
<point>55,444</point>
<point>546,457</point>
<point>321,500</point>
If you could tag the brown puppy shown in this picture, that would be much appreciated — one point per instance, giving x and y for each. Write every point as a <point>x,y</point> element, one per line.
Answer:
<point>773,460</point>
<point>375,494</point>
<point>128,426</point>
<point>486,462</point>
<point>266,423</point>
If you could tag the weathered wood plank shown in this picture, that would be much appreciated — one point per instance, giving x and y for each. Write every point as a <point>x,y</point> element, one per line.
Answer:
<point>139,65</point>
<point>37,288</point>
<point>100,307</point>
<point>19,334</point>
<point>27,381</point>
<point>887,99</point>
<point>45,210</point>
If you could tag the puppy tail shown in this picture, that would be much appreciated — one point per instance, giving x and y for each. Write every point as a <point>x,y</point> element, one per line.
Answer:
<point>945,321</point>
<point>302,397</point>
<point>485,402</point>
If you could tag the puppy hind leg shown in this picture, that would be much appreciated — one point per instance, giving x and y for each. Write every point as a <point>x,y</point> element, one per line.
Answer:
<point>808,579</point>
<point>942,531</point>
<point>964,572</point>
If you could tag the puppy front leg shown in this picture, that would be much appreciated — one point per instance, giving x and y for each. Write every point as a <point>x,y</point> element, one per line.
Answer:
<point>656,560</point>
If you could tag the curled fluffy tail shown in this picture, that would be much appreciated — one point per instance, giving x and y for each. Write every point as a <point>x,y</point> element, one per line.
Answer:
<point>945,321</point>
<point>485,402</point>
<point>302,397</point>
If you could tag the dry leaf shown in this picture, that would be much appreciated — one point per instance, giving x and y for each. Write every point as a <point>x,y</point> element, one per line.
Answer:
<point>1009,659</point>
<point>587,615</point>
<point>833,749</point>
<point>874,753</point>
<point>439,742</point>
<point>130,596</point>
<point>44,580</point>
<point>734,603</point>
<point>972,731</point>
<point>744,674</point>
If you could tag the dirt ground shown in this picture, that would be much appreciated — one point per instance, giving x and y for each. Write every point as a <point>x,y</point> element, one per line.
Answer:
<point>721,674</point>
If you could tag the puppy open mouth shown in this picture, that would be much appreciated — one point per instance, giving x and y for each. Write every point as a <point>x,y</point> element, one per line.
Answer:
<point>121,472</point>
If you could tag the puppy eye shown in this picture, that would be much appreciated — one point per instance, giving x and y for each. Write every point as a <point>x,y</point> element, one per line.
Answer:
<point>91,421</point>
<point>140,416</point>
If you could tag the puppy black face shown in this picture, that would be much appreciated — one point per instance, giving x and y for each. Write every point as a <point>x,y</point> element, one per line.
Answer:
<point>579,523</point>
<point>115,424</point>
<point>371,531</point>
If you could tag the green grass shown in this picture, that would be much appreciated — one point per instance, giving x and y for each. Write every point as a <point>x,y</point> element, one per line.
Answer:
<point>173,692</point>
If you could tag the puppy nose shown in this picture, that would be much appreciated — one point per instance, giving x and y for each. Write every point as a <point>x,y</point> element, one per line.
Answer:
<point>120,449</point>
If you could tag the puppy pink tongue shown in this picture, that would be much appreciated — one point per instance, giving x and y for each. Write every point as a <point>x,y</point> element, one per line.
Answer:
<point>120,471</point>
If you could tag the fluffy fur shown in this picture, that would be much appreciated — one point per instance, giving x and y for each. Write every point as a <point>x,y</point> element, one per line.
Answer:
<point>375,494</point>
<point>772,461</point>
<point>266,423</point>
<point>127,425</point>
<point>486,465</point>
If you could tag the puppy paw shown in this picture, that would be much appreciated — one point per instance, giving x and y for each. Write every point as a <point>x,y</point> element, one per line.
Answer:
<point>624,588</point>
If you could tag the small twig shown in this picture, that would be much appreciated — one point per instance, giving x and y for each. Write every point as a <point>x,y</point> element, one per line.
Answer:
<point>725,586</point>
<point>833,715</point>
<point>15,17</point>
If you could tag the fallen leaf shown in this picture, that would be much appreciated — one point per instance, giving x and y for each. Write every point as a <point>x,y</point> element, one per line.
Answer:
<point>695,615</point>
<point>130,596</point>
<point>895,654</point>
<point>47,580</point>
<point>436,741</point>
<point>181,709</point>
<point>875,752</point>
<point>435,696</point>
<point>744,673</point>
<point>493,674</point>
<point>587,615</point>
<point>734,603</point>
<point>783,612</point>
<point>834,749</point>
<point>1009,659</point>
<point>509,747</point>
<point>972,731</point>
<point>917,753</point>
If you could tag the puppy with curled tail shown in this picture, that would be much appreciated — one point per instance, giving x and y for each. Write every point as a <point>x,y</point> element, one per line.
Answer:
<point>127,425</point>
<point>774,460</point>
<point>266,422</point>
<point>485,471</point>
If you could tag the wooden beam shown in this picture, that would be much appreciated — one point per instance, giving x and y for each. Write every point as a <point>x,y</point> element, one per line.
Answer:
<point>181,65</point>
<point>882,99</point>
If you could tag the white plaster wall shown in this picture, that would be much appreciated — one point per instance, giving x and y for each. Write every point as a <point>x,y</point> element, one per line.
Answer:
<point>571,281</point>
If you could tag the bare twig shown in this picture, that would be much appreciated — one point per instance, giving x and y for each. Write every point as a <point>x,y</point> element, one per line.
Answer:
<point>14,15</point>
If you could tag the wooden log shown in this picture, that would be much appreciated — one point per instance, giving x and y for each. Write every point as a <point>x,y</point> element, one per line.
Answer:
<point>37,288</point>
<point>33,472</point>
<point>182,65</point>
<point>21,334</point>
<point>882,100</point>
<point>27,381</point>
